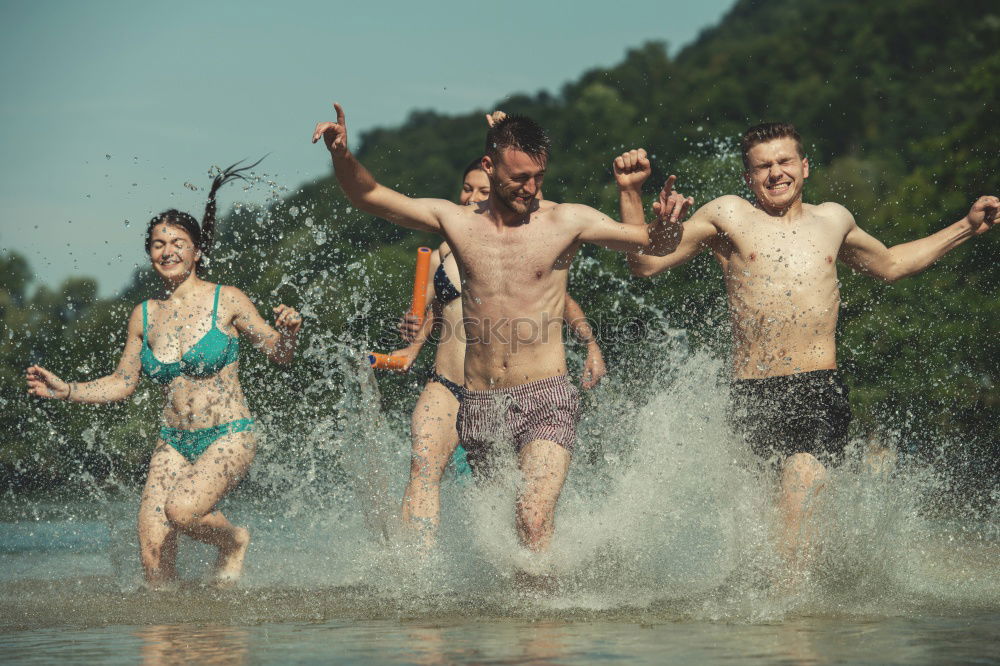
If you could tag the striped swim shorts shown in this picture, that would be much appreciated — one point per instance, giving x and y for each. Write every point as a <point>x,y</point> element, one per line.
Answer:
<point>546,409</point>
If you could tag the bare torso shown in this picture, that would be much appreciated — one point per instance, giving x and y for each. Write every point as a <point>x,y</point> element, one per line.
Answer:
<point>513,281</point>
<point>195,402</point>
<point>781,281</point>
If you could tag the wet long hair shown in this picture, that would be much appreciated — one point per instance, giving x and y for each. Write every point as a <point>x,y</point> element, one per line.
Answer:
<point>202,235</point>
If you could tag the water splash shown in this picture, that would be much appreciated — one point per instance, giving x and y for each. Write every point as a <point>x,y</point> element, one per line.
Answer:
<point>664,514</point>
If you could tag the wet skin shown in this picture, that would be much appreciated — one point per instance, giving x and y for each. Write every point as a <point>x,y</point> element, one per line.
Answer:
<point>180,495</point>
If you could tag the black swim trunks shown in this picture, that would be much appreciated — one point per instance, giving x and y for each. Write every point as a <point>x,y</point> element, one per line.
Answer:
<point>807,412</point>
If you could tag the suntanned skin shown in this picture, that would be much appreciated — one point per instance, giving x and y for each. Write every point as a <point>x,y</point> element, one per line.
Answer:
<point>449,357</point>
<point>432,425</point>
<point>778,258</point>
<point>180,496</point>
<point>513,255</point>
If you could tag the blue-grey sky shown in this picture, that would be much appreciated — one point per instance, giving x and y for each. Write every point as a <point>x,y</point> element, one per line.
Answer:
<point>110,107</point>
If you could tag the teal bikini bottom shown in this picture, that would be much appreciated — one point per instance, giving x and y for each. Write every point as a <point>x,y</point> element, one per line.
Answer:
<point>192,443</point>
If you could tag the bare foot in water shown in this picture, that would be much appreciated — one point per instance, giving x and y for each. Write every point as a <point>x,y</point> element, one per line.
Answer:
<point>230,563</point>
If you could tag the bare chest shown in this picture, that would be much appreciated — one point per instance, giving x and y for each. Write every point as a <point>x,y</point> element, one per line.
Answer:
<point>508,262</point>
<point>793,255</point>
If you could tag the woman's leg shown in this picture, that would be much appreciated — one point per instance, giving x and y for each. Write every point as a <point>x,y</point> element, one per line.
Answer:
<point>157,537</point>
<point>194,496</point>
<point>434,437</point>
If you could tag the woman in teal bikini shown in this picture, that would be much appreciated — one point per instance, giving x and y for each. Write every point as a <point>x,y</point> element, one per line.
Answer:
<point>207,443</point>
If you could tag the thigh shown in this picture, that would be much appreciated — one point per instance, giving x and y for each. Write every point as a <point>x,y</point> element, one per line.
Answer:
<point>544,466</point>
<point>433,427</point>
<point>216,471</point>
<point>166,468</point>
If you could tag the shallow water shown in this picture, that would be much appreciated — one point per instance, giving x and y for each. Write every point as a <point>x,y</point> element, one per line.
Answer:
<point>935,640</point>
<point>663,554</point>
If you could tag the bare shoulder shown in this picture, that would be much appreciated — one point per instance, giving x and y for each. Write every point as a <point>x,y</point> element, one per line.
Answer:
<point>570,211</point>
<point>135,319</point>
<point>725,210</point>
<point>234,297</point>
<point>834,212</point>
<point>728,205</point>
<point>443,207</point>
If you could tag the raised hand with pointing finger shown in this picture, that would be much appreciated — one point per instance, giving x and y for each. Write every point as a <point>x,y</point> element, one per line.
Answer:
<point>334,135</point>
<point>672,206</point>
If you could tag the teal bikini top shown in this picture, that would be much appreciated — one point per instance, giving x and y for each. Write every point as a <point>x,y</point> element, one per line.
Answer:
<point>206,357</point>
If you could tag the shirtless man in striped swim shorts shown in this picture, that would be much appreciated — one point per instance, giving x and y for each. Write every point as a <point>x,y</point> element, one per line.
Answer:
<point>513,255</point>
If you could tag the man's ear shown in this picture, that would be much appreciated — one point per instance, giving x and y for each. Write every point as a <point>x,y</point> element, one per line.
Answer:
<point>488,165</point>
<point>805,168</point>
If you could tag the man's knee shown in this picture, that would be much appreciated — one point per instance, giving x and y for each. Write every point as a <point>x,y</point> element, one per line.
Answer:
<point>535,522</point>
<point>802,472</point>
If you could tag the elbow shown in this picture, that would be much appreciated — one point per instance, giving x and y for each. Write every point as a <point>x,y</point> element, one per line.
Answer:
<point>639,270</point>
<point>893,274</point>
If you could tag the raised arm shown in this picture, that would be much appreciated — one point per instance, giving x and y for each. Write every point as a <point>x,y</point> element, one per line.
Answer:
<point>115,387</point>
<point>278,342</point>
<point>364,192</point>
<point>631,171</point>
<point>868,255</point>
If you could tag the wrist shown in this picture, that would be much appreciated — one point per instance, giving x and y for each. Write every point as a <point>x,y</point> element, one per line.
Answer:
<point>69,391</point>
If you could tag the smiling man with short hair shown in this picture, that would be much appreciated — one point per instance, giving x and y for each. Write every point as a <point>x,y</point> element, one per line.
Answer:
<point>513,252</point>
<point>778,258</point>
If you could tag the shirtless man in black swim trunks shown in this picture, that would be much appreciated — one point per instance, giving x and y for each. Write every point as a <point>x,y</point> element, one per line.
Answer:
<point>778,259</point>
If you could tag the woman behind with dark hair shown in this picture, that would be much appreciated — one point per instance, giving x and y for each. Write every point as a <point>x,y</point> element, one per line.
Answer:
<point>188,342</point>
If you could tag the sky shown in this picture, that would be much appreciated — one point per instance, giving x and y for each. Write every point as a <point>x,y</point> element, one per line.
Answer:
<point>113,111</point>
